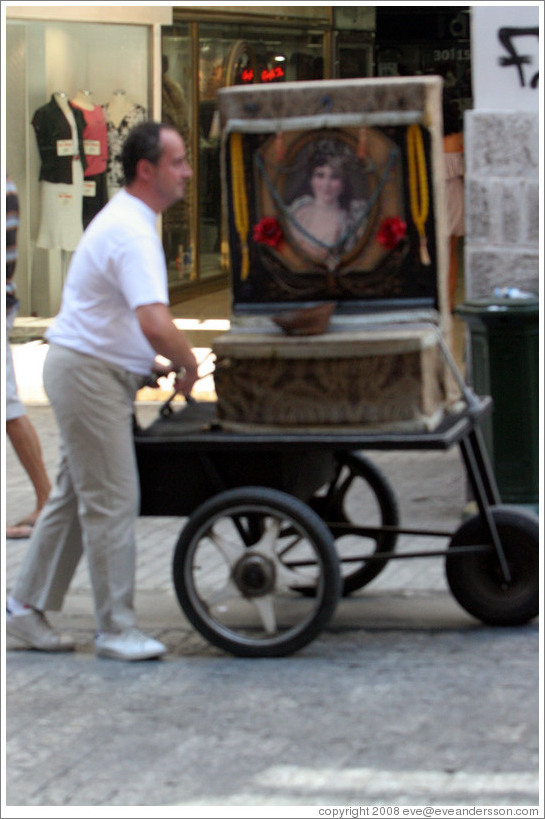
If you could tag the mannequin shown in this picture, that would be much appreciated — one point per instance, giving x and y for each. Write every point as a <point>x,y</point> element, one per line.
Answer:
<point>59,132</point>
<point>84,100</point>
<point>119,106</point>
<point>121,114</point>
<point>95,144</point>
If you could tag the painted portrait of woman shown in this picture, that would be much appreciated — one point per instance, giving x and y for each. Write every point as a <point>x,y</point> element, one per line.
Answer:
<point>326,212</point>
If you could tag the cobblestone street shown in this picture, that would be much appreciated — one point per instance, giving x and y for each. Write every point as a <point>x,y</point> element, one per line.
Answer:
<point>403,700</point>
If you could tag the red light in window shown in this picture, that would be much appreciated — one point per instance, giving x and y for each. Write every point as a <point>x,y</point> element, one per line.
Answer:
<point>247,75</point>
<point>270,74</point>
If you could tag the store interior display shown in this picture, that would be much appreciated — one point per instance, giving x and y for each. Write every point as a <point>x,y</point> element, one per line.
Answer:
<point>64,79</point>
<point>80,145</point>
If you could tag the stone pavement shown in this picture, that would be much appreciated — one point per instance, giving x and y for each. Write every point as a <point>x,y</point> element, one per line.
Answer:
<point>403,700</point>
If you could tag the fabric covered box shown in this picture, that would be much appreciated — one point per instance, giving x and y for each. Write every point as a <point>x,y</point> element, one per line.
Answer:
<point>392,378</point>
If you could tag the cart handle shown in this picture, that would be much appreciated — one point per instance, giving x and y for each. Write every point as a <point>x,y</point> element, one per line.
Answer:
<point>166,409</point>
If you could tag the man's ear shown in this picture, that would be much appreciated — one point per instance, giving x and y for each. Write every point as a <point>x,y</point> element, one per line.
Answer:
<point>144,169</point>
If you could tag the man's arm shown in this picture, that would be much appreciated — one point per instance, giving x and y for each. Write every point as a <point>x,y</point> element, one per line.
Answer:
<point>158,327</point>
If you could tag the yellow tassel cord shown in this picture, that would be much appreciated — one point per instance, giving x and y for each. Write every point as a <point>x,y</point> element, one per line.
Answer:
<point>418,187</point>
<point>240,202</point>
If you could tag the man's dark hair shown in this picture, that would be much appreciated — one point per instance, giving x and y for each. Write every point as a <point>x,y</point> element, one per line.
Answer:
<point>143,142</point>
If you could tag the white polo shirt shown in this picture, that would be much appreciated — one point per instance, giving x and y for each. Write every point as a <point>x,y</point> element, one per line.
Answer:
<point>119,265</point>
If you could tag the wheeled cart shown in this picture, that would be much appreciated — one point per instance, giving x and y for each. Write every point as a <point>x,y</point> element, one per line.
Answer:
<point>281,524</point>
<point>285,509</point>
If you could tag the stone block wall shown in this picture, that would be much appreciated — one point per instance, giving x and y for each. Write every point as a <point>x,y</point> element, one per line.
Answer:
<point>502,201</point>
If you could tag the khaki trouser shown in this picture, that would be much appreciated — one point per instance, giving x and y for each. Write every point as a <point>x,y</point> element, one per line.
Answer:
<point>95,501</point>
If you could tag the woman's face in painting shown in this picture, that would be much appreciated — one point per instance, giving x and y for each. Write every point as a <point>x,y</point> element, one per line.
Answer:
<point>326,184</point>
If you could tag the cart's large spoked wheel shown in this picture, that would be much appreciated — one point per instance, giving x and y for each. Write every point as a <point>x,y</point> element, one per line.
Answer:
<point>477,580</point>
<point>238,564</point>
<point>356,507</point>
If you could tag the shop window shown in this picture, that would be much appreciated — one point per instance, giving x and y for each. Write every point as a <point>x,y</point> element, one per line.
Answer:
<point>74,91</point>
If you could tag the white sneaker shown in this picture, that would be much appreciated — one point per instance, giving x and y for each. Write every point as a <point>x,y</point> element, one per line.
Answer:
<point>128,645</point>
<point>31,631</point>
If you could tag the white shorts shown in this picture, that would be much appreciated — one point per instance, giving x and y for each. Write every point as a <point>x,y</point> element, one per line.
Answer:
<point>14,406</point>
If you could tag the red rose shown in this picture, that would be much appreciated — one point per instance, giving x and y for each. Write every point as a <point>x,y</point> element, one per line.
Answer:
<point>268,232</point>
<point>391,232</point>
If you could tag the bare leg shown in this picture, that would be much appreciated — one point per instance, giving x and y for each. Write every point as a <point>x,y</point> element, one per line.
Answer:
<point>453,269</point>
<point>26,444</point>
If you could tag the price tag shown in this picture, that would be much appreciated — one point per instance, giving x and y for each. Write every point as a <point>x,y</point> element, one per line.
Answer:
<point>65,200</point>
<point>89,188</point>
<point>65,147</point>
<point>91,147</point>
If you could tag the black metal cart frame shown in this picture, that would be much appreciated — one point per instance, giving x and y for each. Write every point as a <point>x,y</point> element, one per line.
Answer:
<point>282,495</point>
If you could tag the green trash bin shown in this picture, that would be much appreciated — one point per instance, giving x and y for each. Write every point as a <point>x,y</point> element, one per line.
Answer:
<point>504,363</point>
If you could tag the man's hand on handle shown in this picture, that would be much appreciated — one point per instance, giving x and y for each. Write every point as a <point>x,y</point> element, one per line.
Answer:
<point>185,380</point>
<point>170,343</point>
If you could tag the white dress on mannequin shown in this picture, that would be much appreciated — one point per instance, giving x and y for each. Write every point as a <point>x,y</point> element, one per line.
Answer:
<point>61,223</point>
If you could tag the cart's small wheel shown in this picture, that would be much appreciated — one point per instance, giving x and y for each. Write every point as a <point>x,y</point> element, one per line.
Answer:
<point>238,564</point>
<point>476,579</point>
<point>361,496</point>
